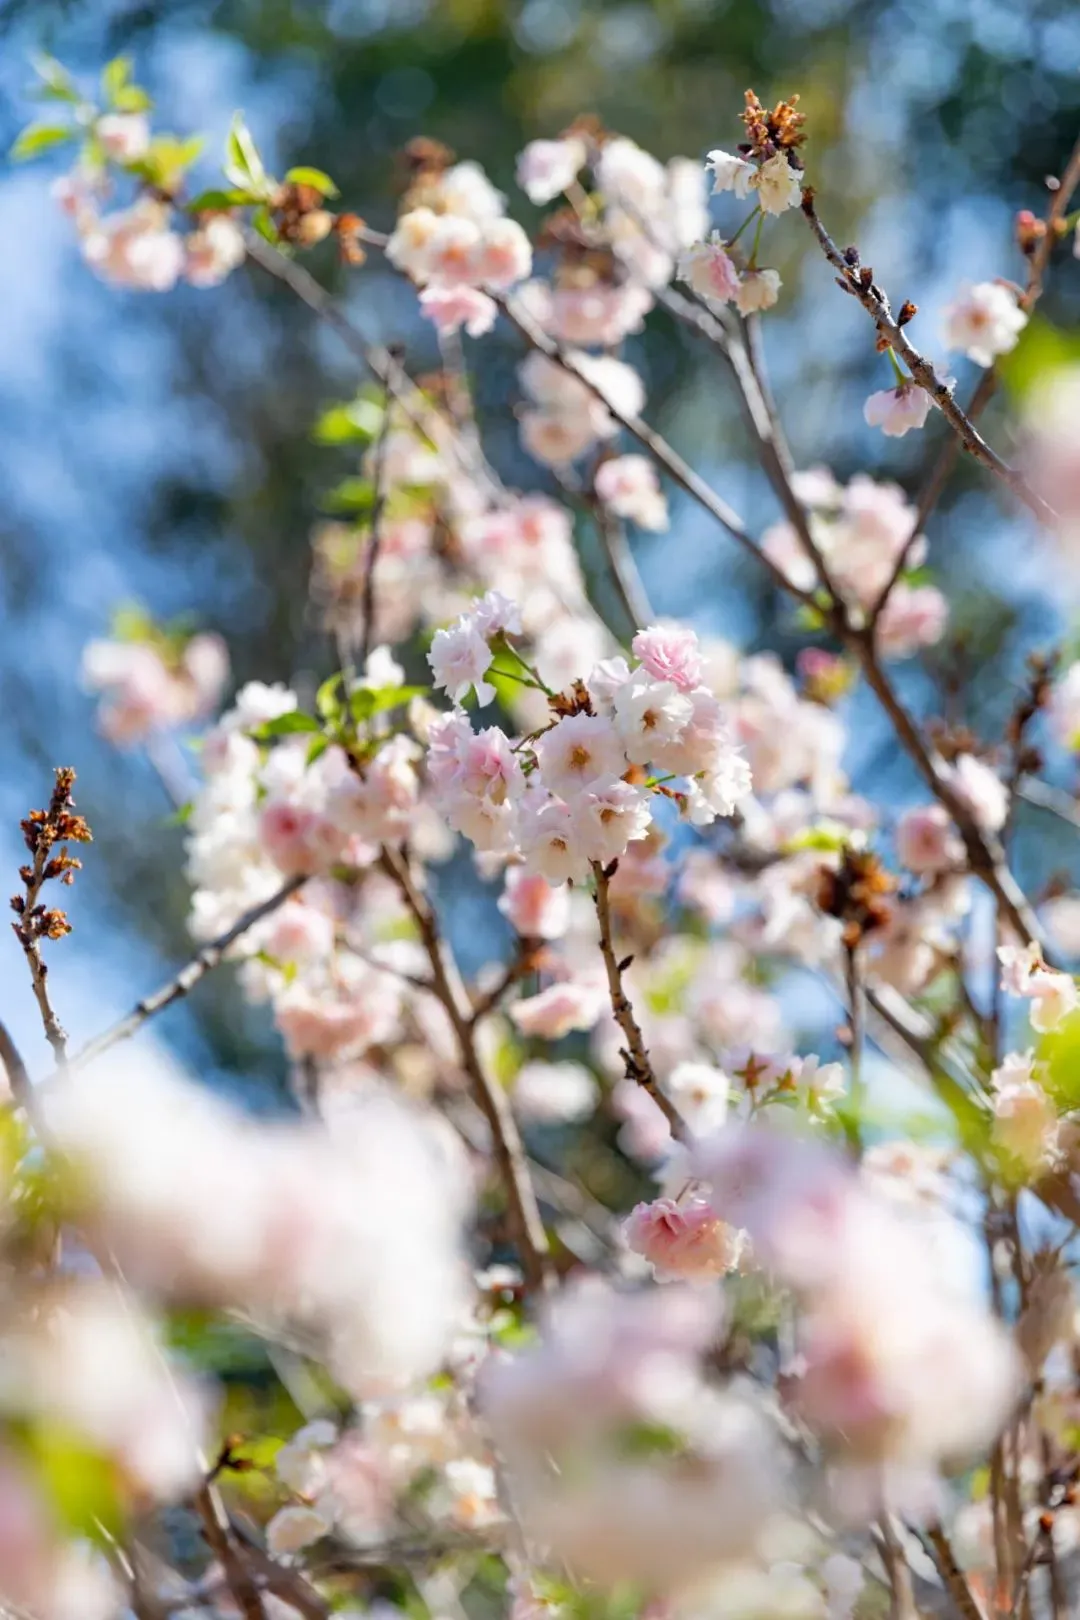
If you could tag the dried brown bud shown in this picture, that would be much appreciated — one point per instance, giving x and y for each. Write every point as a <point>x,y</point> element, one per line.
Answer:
<point>906,313</point>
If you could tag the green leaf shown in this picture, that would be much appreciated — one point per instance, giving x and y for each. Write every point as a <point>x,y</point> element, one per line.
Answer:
<point>115,78</point>
<point>131,622</point>
<point>355,423</point>
<point>368,701</point>
<point>168,159</point>
<point>216,200</point>
<point>285,726</point>
<point>265,226</point>
<point>243,165</point>
<point>318,747</point>
<point>56,82</point>
<point>353,495</point>
<point>36,138</point>
<point>133,99</point>
<point>312,177</point>
<point>182,814</point>
<point>327,701</point>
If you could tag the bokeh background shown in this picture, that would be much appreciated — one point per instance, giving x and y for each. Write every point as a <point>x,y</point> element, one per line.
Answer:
<point>159,449</point>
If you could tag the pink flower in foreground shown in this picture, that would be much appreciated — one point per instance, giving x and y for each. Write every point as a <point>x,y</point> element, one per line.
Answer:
<point>451,308</point>
<point>533,907</point>
<point>545,168</point>
<point>707,268</point>
<point>670,653</point>
<point>630,487</point>
<point>927,841</point>
<point>897,410</point>
<point>558,1009</point>
<point>687,1242</point>
<point>914,616</point>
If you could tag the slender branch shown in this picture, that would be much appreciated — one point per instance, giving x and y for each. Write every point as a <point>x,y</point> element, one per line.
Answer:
<point>487,1094</point>
<point>985,853</point>
<point>951,1573</point>
<point>627,580</point>
<point>984,392</point>
<point>373,356</point>
<point>185,981</point>
<point>238,1577</point>
<point>901,1588</point>
<point>521,963</point>
<point>679,471</point>
<point>375,534</point>
<point>18,1075</point>
<point>287,1584</point>
<point>1044,796</point>
<point>861,284</point>
<point>761,418</point>
<point>635,1054</point>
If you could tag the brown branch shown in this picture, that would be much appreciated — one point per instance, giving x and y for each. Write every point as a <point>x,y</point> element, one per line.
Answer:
<point>18,1075</point>
<point>217,1532</point>
<point>987,858</point>
<point>635,1054</point>
<point>985,853</point>
<point>1045,796</point>
<point>984,392</point>
<point>375,535</point>
<point>185,981</point>
<point>287,1584</point>
<point>46,834</point>
<point>679,471</point>
<point>489,1097</point>
<point>950,1572</point>
<point>434,426</point>
<point>859,281</point>
<point>521,963</point>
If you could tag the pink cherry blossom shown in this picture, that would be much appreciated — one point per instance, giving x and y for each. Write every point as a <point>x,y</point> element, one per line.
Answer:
<point>451,308</point>
<point>927,841</point>
<point>560,1008</point>
<point>687,1242</point>
<point>670,653</point>
<point>897,410</point>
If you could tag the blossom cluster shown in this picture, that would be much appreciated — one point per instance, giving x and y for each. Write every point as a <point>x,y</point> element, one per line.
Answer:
<point>583,792</point>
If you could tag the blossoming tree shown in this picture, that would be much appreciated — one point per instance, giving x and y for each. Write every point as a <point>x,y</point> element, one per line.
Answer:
<point>762,1352</point>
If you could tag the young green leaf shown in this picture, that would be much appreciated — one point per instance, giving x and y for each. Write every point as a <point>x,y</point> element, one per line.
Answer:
<point>36,138</point>
<point>327,701</point>
<point>243,165</point>
<point>285,726</point>
<point>368,701</point>
<point>56,82</point>
<point>315,178</point>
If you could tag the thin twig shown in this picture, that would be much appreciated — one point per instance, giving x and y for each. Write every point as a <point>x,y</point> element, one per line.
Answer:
<point>1044,796</point>
<point>859,281</point>
<point>635,1054</point>
<point>487,1094</point>
<point>378,507</point>
<point>217,1531</point>
<point>901,1588</point>
<point>951,1573</point>
<point>984,392</point>
<point>625,575</point>
<point>434,426</point>
<point>18,1075</point>
<point>185,981</point>
<point>673,464</point>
